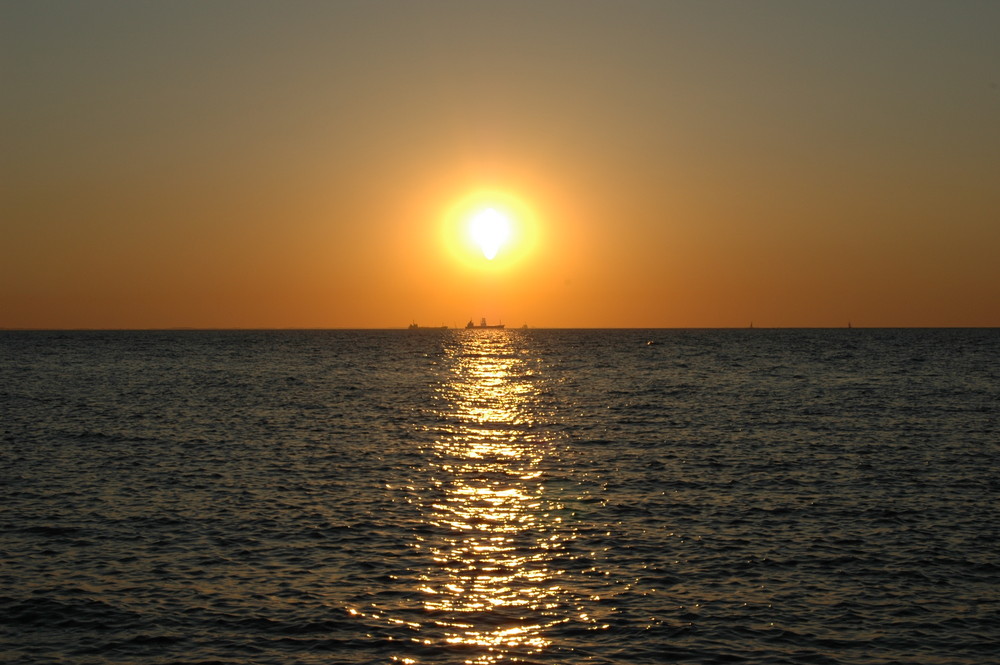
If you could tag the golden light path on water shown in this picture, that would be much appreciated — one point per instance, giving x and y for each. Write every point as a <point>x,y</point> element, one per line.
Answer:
<point>495,563</point>
<point>495,555</point>
<point>493,535</point>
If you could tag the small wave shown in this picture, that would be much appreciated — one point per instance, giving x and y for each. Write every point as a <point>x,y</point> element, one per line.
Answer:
<point>52,613</point>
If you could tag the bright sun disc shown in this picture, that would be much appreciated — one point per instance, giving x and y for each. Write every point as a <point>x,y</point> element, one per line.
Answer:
<point>490,230</point>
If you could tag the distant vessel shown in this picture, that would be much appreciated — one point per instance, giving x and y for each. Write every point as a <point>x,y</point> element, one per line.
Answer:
<point>414,326</point>
<point>482,324</point>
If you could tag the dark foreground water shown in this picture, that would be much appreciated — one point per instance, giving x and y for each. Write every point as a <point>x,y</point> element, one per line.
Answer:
<point>818,497</point>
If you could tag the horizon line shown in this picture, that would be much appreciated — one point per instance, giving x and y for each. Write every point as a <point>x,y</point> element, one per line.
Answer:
<point>462,328</point>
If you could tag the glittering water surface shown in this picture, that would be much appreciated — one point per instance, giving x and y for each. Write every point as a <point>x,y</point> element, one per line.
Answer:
<point>487,496</point>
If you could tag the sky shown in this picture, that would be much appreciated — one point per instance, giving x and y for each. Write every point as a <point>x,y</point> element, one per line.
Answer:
<point>662,164</point>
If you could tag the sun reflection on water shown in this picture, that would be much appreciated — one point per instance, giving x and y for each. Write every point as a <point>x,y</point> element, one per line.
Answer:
<point>495,536</point>
<point>497,565</point>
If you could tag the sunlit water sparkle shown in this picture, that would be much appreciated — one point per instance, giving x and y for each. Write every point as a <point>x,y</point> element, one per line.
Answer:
<point>500,496</point>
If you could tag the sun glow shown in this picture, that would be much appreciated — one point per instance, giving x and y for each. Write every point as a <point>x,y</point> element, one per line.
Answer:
<point>490,230</point>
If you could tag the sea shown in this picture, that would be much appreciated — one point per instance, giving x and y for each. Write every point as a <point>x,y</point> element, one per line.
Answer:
<point>824,497</point>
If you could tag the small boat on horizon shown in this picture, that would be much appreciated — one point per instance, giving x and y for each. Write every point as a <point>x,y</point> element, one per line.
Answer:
<point>482,324</point>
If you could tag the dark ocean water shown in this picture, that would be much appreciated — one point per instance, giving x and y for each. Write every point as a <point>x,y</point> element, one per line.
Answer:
<point>755,496</point>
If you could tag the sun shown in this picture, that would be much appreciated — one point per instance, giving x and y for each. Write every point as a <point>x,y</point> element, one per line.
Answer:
<point>490,230</point>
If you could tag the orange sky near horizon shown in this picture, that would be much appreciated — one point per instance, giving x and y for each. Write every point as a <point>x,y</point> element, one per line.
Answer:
<point>250,165</point>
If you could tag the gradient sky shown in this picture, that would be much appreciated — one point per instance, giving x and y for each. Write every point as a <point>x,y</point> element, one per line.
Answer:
<point>692,164</point>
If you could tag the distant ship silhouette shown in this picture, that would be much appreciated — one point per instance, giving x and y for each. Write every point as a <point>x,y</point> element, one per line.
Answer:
<point>482,324</point>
